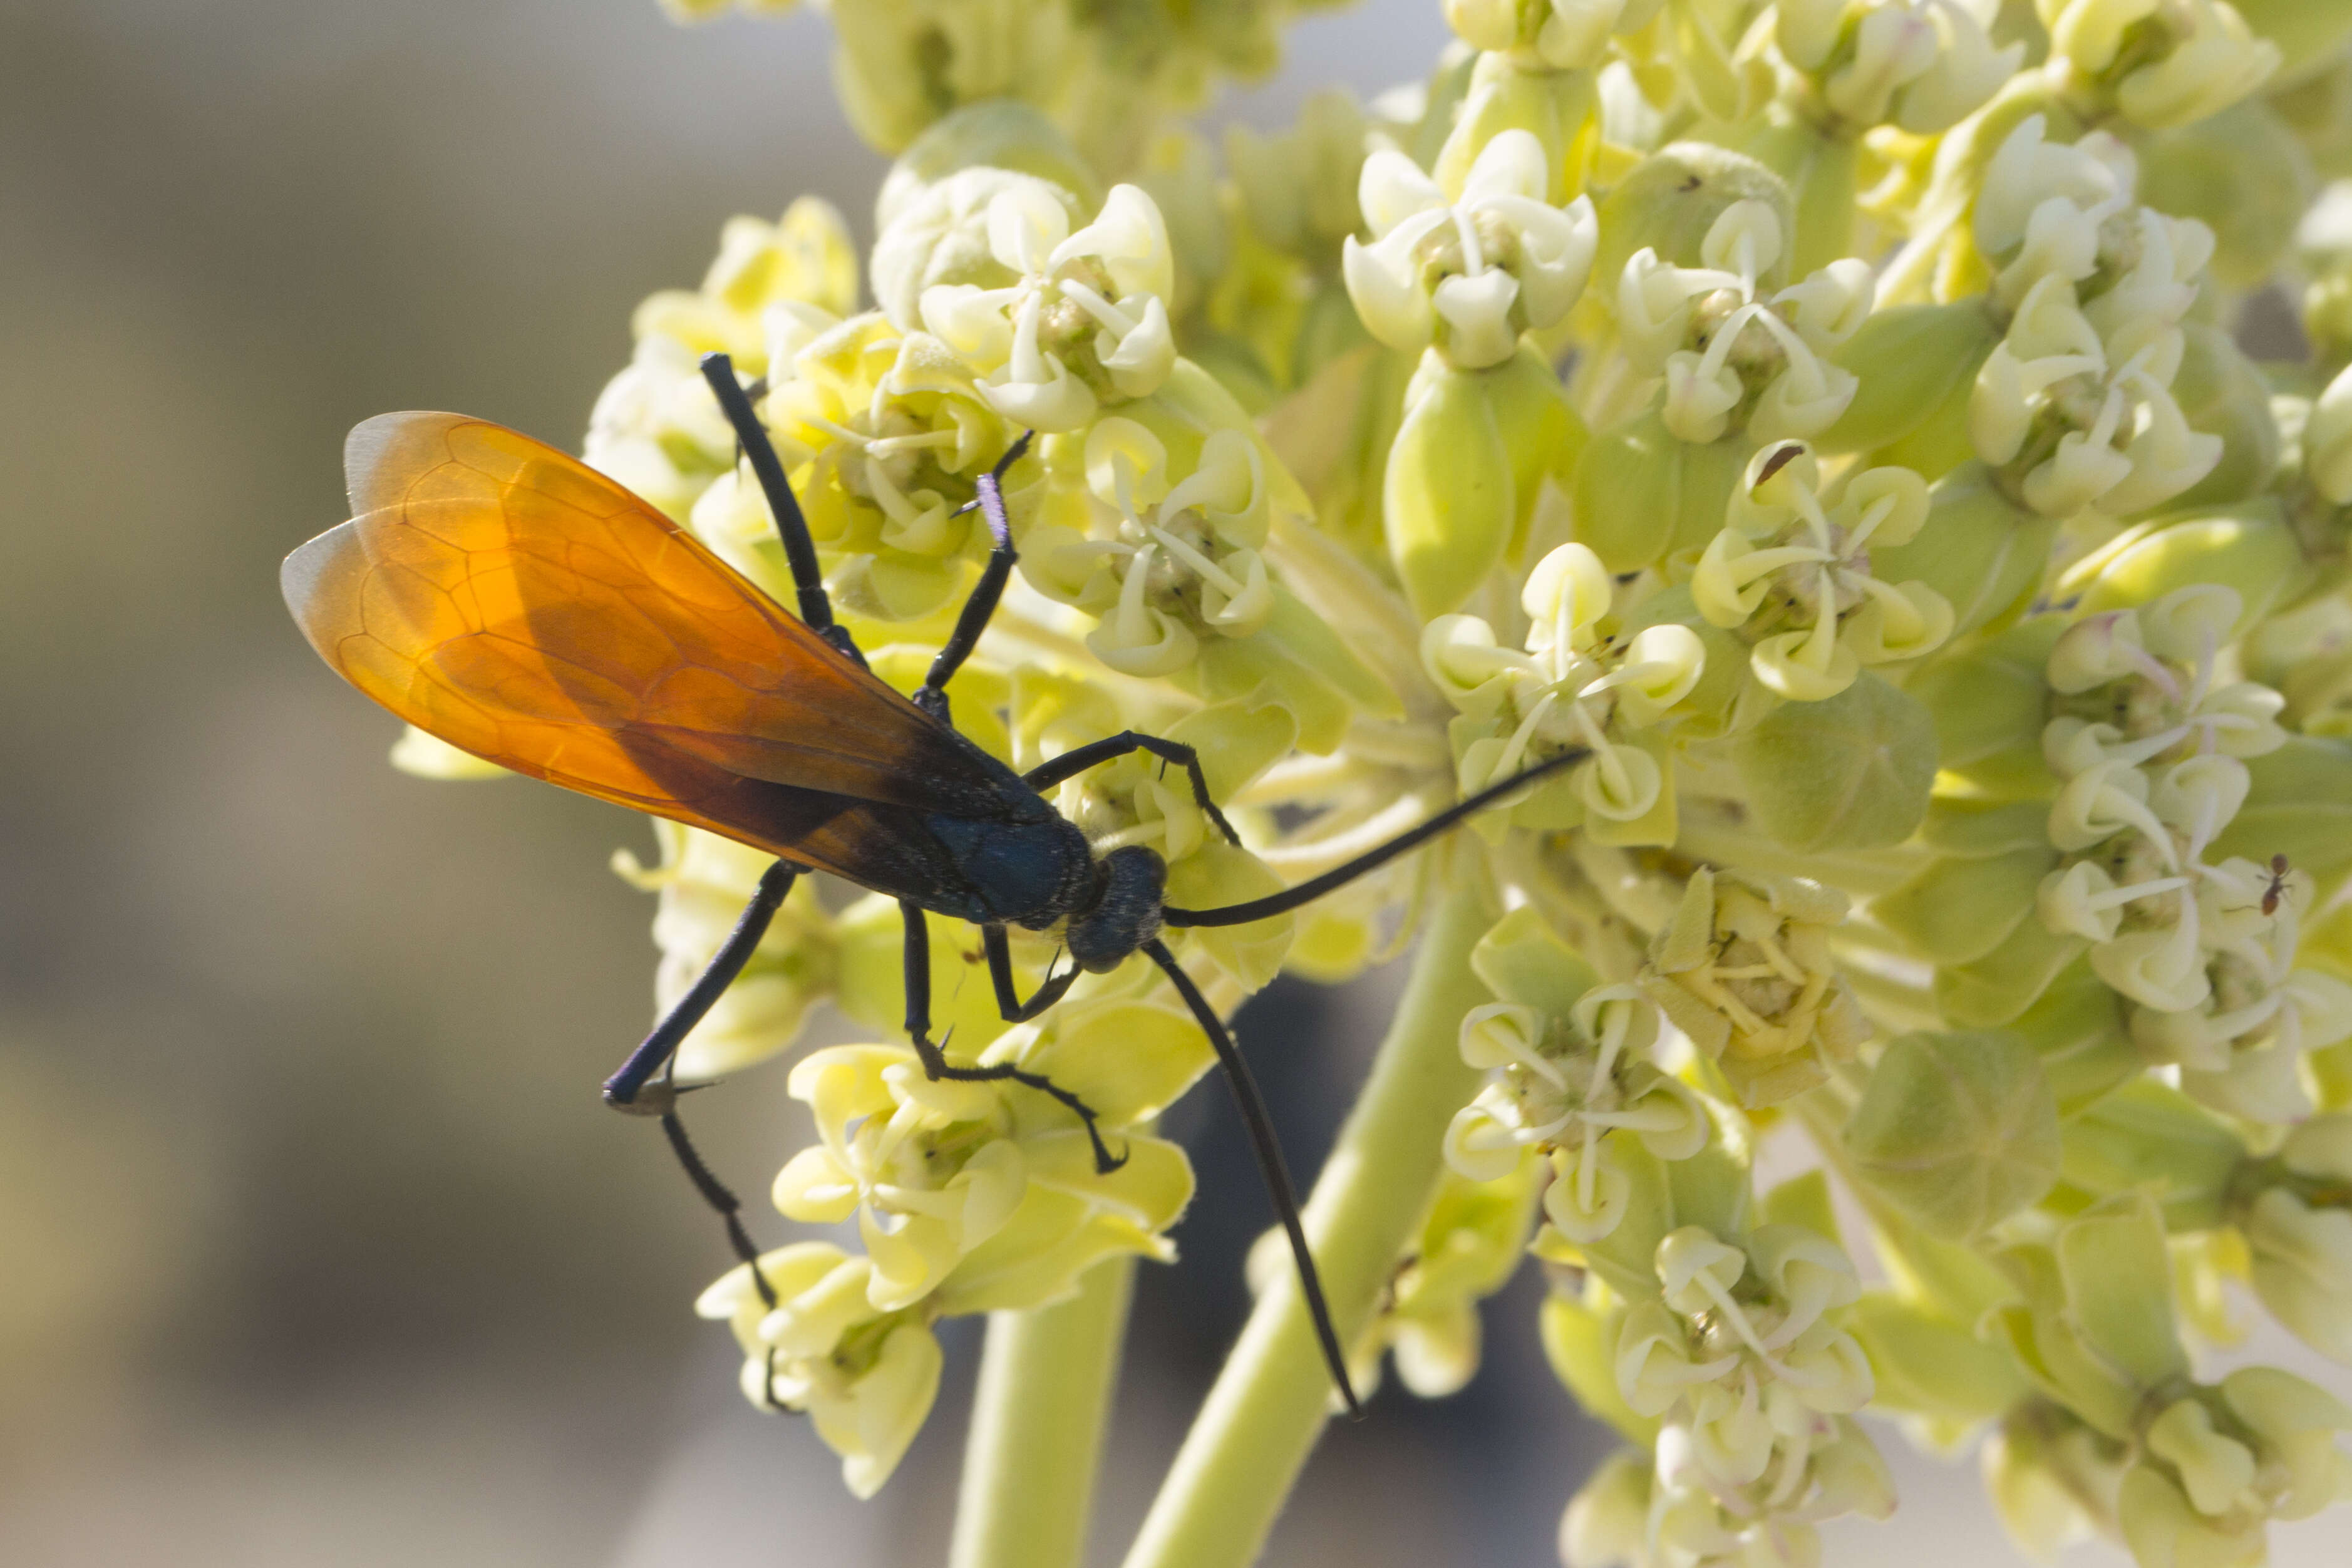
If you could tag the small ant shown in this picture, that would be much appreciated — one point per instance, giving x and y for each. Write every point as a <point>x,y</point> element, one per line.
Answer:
<point>2277,889</point>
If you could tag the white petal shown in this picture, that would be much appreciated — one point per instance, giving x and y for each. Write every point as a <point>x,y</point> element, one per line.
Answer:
<point>1131,237</point>
<point>1384,285</point>
<point>1392,188</point>
<point>1477,311</point>
<point>1512,164</point>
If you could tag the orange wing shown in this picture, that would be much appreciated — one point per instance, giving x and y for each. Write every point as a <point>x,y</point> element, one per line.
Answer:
<point>512,601</point>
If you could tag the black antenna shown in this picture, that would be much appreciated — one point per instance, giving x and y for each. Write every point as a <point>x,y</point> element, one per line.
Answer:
<point>1371,860</point>
<point>1251,1105</point>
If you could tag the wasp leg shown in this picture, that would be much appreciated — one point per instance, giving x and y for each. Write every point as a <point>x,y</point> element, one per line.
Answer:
<point>981,605</point>
<point>643,1085</point>
<point>1251,1105</point>
<point>935,1060</point>
<point>1008,995</point>
<point>1078,758</point>
<point>791,527</point>
<point>723,1198</point>
<point>622,1088</point>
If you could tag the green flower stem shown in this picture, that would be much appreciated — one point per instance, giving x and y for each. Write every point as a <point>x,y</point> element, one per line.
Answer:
<point>1269,1404</point>
<point>1037,1422</point>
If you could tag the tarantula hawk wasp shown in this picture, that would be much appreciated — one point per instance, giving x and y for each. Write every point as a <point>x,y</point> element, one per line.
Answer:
<point>504,596</point>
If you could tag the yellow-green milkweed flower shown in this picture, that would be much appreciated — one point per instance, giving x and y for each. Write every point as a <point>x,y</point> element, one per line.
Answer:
<point>939,1175</point>
<point>814,1341</point>
<point>1741,1354</point>
<point>1468,275</point>
<point>2297,1223</point>
<point>1932,558</point>
<point>1566,1087</point>
<point>2167,62</point>
<point>1798,550</point>
<point>1560,35</point>
<point>1572,685</point>
<point>1921,64</point>
<point>2076,400</point>
<point>1725,348</point>
<point>1744,970</point>
<point>1082,317</point>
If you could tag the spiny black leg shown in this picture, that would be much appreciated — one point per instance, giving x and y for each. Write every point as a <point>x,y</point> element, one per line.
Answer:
<point>791,527</point>
<point>621,1091</point>
<point>1371,860</point>
<point>628,1090</point>
<point>977,609</point>
<point>1270,1165</point>
<point>1078,758</point>
<point>1008,994</point>
<point>720,1197</point>
<point>935,1061</point>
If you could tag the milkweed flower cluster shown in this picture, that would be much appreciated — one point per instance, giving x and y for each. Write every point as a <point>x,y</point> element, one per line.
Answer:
<point>1830,419</point>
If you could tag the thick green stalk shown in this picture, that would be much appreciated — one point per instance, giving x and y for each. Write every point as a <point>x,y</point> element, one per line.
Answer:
<point>1253,1436</point>
<point>1037,1421</point>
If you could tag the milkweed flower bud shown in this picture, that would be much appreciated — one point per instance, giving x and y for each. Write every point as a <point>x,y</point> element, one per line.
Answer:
<point>1910,359</point>
<point>2303,1267</point>
<point>1958,1131</point>
<point>1448,491</point>
<point>1468,276</point>
<point>1869,760</point>
<point>1642,493</point>
<point>899,65</point>
<point>2094,1327</point>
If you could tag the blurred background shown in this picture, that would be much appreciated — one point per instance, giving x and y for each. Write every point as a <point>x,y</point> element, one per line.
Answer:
<point>316,1245</point>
